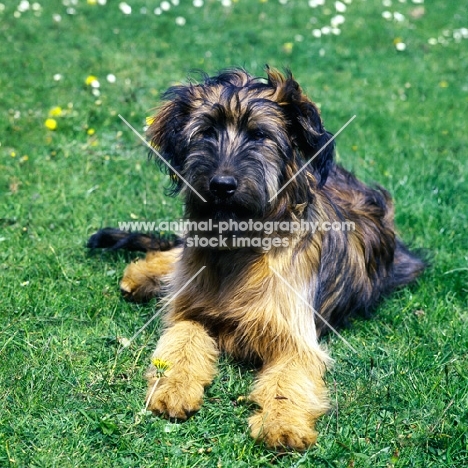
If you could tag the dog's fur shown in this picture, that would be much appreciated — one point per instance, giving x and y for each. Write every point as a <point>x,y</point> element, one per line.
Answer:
<point>252,303</point>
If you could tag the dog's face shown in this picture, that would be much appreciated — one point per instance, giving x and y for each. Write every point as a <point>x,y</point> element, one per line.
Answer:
<point>237,139</point>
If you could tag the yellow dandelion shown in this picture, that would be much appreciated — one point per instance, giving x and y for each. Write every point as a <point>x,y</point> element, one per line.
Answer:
<point>55,111</point>
<point>443,84</point>
<point>150,120</point>
<point>91,2</point>
<point>90,131</point>
<point>90,80</point>
<point>51,124</point>
<point>288,47</point>
<point>161,366</point>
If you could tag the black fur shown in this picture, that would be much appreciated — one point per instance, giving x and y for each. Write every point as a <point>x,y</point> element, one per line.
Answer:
<point>115,239</point>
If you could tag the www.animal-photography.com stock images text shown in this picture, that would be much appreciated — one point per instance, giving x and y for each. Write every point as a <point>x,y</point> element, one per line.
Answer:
<point>233,233</point>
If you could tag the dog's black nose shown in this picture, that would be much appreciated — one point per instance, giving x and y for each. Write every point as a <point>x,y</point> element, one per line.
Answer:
<point>223,186</point>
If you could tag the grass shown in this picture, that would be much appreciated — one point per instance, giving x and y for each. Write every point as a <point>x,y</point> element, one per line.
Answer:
<point>67,398</point>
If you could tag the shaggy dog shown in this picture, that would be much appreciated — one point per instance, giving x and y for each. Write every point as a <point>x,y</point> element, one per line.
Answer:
<point>246,150</point>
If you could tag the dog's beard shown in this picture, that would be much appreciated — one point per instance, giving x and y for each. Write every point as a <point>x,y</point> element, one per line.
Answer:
<point>240,206</point>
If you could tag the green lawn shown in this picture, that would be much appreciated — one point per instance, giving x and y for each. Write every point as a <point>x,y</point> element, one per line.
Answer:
<point>67,398</point>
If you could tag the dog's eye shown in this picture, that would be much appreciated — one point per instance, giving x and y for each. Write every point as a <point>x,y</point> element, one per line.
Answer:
<point>257,135</point>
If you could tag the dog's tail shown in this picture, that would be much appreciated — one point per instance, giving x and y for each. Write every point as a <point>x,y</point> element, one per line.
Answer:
<point>115,239</point>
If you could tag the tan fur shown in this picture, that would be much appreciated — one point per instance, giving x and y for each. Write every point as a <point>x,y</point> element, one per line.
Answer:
<point>289,389</point>
<point>144,278</point>
<point>191,354</point>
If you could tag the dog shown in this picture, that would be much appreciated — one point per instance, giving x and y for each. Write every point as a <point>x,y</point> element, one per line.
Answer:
<point>242,149</point>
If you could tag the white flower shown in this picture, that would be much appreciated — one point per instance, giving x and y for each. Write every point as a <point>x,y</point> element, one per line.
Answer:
<point>387,15</point>
<point>23,6</point>
<point>316,33</point>
<point>125,342</point>
<point>337,20</point>
<point>180,21</point>
<point>165,6</point>
<point>340,7</point>
<point>57,77</point>
<point>400,46</point>
<point>398,17</point>
<point>125,8</point>
<point>387,3</point>
<point>457,35</point>
<point>197,3</point>
<point>111,78</point>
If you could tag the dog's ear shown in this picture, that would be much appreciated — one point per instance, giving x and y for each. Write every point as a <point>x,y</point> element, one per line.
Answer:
<point>165,133</point>
<point>309,135</point>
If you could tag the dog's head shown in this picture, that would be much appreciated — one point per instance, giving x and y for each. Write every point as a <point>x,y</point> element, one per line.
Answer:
<point>235,141</point>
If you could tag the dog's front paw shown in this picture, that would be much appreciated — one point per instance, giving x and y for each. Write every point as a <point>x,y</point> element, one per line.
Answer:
<point>174,399</point>
<point>138,284</point>
<point>282,431</point>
